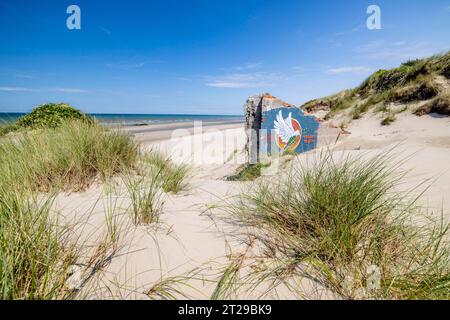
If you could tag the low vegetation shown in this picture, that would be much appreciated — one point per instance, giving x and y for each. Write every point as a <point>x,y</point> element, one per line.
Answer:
<point>414,81</point>
<point>49,115</point>
<point>440,105</point>
<point>173,176</point>
<point>338,224</point>
<point>147,198</point>
<point>247,172</point>
<point>35,255</point>
<point>389,119</point>
<point>70,156</point>
<point>58,148</point>
<point>42,259</point>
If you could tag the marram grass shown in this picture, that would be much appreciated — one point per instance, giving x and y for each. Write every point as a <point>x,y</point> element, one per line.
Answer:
<point>146,195</point>
<point>43,259</point>
<point>70,156</point>
<point>335,222</point>
<point>172,176</point>
<point>35,255</point>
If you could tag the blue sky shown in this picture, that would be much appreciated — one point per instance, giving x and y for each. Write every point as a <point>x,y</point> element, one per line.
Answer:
<point>203,57</point>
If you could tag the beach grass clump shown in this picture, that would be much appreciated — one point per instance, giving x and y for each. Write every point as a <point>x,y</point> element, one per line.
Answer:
<point>248,172</point>
<point>389,119</point>
<point>39,257</point>
<point>334,222</point>
<point>175,178</point>
<point>173,175</point>
<point>7,128</point>
<point>70,156</point>
<point>35,254</point>
<point>147,197</point>
<point>422,91</point>
<point>440,105</point>
<point>44,259</point>
<point>359,111</point>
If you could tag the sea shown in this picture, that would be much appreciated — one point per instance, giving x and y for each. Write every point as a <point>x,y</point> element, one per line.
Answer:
<point>141,119</point>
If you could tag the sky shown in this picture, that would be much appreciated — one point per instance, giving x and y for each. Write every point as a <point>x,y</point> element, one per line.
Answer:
<point>203,56</point>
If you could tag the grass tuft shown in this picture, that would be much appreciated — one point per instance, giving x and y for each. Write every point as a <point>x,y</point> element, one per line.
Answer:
<point>440,105</point>
<point>248,172</point>
<point>173,176</point>
<point>336,221</point>
<point>389,119</point>
<point>146,197</point>
<point>34,254</point>
<point>69,157</point>
<point>39,257</point>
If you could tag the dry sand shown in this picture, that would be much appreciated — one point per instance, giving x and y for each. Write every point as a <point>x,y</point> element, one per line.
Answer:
<point>189,238</point>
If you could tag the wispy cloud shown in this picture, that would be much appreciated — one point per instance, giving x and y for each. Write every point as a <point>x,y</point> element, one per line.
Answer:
<point>24,89</point>
<point>248,66</point>
<point>401,50</point>
<point>106,31</point>
<point>302,68</point>
<point>127,65</point>
<point>244,80</point>
<point>447,9</point>
<point>23,76</point>
<point>354,69</point>
<point>16,89</point>
<point>182,78</point>
<point>69,90</point>
<point>343,33</point>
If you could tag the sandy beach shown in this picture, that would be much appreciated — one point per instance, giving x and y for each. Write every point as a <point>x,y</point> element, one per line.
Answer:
<point>191,242</point>
<point>293,150</point>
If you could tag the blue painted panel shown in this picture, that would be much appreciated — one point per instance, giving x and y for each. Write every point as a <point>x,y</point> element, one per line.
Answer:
<point>288,130</point>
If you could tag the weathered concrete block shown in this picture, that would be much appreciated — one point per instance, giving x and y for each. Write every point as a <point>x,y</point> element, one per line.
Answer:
<point>275,126</point>
<point>253,115</point>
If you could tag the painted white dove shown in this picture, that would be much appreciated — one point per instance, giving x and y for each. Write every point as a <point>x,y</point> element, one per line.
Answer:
<point>285,130</point>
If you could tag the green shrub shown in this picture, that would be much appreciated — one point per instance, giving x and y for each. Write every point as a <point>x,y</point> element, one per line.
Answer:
<point>51,115</point>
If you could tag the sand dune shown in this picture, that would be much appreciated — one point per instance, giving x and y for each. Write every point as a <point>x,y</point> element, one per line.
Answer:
<point>190,238</point>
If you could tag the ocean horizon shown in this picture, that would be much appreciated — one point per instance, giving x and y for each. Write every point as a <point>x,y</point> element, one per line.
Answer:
<point>128,119</point>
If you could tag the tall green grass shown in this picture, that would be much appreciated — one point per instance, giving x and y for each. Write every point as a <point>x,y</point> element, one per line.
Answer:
<point>39,256</point>
<point>147,198</point>
<point>333,221</point>
<point>70,156</point>
<point>42,258</point>
<point>173,176</point>
<point>156,176</point>
<point>35,255</point>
